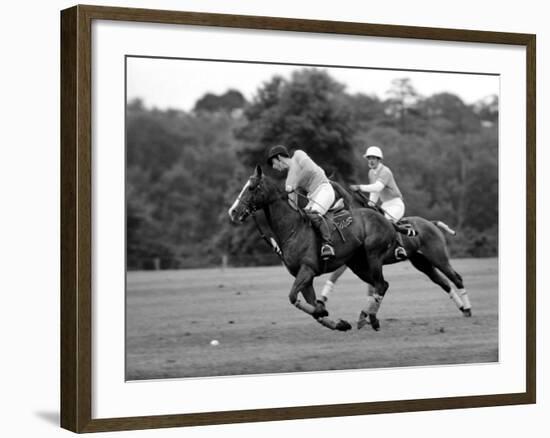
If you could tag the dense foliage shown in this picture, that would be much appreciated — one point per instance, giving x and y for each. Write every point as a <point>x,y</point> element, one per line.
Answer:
<point>185,169</point>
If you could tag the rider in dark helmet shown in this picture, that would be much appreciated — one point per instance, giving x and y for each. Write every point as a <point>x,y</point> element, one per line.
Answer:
<point>275,152</point>
<point>305,174</point>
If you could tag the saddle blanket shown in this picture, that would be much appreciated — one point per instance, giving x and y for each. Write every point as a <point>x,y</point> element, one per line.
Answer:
<point>341,219</point>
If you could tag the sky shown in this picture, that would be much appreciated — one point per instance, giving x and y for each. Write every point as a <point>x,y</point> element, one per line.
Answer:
<point>178,84</point>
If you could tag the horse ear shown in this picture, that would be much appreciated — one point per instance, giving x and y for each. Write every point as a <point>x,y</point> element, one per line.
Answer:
<point>259,171</point>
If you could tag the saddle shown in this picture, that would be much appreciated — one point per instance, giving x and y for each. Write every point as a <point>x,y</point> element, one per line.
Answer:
<point>337,206</point>
<point>402,226</point>
<point>339,217</point>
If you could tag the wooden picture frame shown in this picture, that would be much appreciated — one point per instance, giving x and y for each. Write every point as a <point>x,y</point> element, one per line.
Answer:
<point>76,218</point>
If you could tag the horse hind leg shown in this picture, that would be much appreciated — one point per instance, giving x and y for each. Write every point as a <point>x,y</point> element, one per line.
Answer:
<point>438,257</point>
<point>425,266</point>
<point>330,284</point>
<point>456,278</point>
<point>369,269</point>
<point>368,315</point>
<point>445,267</point>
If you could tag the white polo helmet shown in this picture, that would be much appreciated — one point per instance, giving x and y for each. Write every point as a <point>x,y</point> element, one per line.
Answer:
<point>373,151</point>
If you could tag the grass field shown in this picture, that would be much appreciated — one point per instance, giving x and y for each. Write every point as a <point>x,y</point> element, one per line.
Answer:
<point>173,315</point>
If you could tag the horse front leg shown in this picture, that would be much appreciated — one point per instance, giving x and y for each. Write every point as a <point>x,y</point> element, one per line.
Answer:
<point>303,283</point>
<point>340,324</point>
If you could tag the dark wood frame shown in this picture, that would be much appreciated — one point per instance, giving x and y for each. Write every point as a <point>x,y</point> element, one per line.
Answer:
<point>76,225</point>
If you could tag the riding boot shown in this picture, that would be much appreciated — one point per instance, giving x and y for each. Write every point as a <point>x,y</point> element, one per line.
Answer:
<point>321,226</point>
<point>400,253</point>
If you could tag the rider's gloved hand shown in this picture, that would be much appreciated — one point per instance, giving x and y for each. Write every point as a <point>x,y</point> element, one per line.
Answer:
<point>289,189</point>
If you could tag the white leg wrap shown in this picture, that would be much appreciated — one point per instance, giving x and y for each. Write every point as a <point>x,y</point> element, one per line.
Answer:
<point>373,304</point>
<point>328,288</point>
<point>370,290</point>
<point>454,296</point>
<point>465,298</point>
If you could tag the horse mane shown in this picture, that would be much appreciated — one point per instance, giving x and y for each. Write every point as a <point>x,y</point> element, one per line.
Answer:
<point>273,184</point>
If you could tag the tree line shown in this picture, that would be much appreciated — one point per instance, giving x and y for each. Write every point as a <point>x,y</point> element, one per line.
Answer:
<point>185,168</point>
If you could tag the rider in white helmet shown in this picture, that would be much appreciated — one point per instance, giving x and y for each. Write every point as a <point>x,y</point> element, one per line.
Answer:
<point>382,186</point>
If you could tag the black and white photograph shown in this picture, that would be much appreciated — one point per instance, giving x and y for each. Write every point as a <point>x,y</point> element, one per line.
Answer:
<point>275,219</point>
<point>287,218</point>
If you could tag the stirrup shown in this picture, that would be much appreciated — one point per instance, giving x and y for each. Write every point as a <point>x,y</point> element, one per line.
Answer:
<point>327,251</point>
<point>411,232</point>
<point>400,253</point>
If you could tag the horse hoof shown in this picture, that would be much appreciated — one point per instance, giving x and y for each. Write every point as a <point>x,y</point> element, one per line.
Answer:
<point>319,313</point>
<point>374,322</point>
<point>343,326</point>
<point>320,310</point>
<point>467,312</point>
<point>371,320</point>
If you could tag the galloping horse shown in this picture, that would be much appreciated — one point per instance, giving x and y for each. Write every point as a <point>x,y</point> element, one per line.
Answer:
<point>365,243</point>
<point>427,252</point>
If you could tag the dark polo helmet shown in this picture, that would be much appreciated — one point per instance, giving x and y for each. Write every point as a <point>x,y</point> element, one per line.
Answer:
<point>277,150</point>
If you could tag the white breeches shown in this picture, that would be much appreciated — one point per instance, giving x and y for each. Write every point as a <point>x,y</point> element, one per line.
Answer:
<point>321,199</point>
<point>394,208</point>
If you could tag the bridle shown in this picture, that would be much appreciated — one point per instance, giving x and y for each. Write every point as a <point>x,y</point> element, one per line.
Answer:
<point>250,210</point>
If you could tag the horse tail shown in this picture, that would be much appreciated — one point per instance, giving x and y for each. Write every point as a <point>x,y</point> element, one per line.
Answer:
<point>444,227</point>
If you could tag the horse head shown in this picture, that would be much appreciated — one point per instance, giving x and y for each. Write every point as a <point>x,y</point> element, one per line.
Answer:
<point>255,195</point>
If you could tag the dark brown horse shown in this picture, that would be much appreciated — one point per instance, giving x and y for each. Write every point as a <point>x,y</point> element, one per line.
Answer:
<point>364,244</point>
<point>427,252</point>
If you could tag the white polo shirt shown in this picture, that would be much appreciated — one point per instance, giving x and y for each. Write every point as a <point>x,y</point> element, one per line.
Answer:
<point>385,176</point>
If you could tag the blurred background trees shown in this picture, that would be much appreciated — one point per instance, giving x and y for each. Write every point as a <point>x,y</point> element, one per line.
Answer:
<point>184,169</point>
<point>309,112</point>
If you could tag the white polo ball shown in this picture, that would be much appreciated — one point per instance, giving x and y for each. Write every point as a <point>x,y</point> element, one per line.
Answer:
<point>214,342</point>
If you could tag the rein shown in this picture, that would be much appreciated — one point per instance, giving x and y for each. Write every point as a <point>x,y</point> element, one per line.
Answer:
<point>405,229</point>
<point>372,205</point>
<point>270,240</point>
<point>308,199</point>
